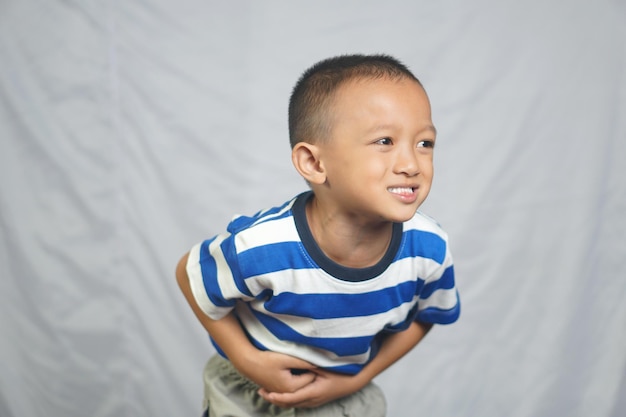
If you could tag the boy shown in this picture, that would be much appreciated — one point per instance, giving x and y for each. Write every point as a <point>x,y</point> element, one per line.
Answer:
<point>309,301</point>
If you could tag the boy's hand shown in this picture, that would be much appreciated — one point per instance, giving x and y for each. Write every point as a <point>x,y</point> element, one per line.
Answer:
<point>270,370</point>
<point>326,387</point>
<point>276,372</point>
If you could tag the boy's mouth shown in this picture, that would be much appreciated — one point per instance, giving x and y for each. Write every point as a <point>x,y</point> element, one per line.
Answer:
<point>401,190</point>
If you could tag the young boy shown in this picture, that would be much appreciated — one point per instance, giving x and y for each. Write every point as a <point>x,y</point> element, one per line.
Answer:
<point>310,300</point>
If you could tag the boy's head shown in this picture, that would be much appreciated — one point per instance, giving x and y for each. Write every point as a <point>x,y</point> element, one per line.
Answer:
<point>363,138</point>
<point>311,102</point>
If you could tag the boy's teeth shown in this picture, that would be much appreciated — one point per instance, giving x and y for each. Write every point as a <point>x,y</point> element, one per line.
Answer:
<point>401,190</point>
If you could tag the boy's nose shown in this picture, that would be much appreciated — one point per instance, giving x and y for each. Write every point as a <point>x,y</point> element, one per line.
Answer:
<point>407,163</point>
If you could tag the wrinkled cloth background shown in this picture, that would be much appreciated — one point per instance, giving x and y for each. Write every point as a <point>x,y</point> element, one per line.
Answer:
<point>130,130</point>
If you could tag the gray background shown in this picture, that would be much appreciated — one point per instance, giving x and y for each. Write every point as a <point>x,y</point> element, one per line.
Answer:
<point>130,130</point>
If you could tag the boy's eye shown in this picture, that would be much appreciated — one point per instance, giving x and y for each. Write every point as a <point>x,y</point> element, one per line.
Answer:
<point>426,144</point>
<point>384,141</point>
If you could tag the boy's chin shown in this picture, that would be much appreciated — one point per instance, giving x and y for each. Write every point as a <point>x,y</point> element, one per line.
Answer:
<point>401,217</point>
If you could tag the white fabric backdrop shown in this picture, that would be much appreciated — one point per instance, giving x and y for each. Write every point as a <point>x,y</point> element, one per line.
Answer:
<point>129,130</point>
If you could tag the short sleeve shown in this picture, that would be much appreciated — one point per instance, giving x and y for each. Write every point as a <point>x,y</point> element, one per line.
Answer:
<point>439,301</point>
<point>214,278</point>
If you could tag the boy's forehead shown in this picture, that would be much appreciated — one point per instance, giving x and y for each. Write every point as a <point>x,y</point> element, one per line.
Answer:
<point>375,101</point>
<point>359,91</point>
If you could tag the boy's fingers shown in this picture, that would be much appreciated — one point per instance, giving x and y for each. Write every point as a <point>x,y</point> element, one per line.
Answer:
<point>284,399</point>
<point>304,366</point>
<point>299,366</point>
<point>301,380</point>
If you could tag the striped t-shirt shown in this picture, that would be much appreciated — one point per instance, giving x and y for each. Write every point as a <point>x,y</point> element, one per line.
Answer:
<point>291,298</point>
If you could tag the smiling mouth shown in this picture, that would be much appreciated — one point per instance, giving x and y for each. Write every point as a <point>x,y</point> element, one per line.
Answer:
<point>401,190</point>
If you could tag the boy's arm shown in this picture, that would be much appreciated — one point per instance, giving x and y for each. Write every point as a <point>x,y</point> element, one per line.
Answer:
<point>329,386</point>
<point>268,369</point>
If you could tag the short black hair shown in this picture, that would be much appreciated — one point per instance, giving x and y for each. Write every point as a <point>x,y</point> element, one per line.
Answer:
<point>312,96</point>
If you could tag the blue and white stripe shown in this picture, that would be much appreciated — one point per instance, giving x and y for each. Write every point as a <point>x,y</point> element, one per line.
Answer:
<point>288,304</point>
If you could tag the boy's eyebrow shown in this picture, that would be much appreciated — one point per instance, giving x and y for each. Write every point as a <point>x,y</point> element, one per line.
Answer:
<point>430,128</point>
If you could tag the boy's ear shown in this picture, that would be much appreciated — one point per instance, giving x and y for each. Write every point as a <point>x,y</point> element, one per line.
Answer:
<point>305,157</point>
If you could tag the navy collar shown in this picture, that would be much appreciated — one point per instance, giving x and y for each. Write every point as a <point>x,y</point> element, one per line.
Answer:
<point>333,268</point>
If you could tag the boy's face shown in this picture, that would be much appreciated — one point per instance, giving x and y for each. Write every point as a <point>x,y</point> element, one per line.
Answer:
<point>379,158</point>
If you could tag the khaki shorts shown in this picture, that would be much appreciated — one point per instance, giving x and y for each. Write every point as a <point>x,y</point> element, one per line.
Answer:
<point>229,394</point>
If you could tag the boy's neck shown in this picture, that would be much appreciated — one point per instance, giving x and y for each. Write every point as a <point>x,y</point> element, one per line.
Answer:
<point>349,241</point>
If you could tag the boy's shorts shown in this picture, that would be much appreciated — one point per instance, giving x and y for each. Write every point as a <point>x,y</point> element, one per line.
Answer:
<point>228,393</point>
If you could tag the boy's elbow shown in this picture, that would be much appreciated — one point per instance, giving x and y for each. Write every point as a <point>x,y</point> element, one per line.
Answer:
<point>181,272</point>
